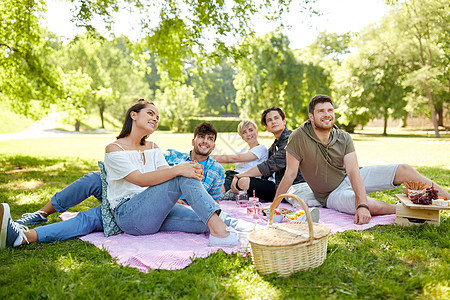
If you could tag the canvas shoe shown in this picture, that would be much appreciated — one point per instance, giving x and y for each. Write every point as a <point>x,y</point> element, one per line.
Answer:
<point>10,231</point>
<point>232,240</point>
<point>315,215</point>
<point>33,218</point>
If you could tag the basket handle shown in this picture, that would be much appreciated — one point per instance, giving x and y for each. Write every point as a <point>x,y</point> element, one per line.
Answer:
<point>303,205</point>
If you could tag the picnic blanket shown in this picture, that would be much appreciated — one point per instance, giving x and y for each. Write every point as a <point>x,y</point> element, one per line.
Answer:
<point>176,250</point>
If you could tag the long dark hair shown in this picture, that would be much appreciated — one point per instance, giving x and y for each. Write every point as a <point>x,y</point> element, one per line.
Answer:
<point>128,123</point>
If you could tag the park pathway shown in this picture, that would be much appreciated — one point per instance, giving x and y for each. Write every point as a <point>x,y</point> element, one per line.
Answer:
<point>45,127</point>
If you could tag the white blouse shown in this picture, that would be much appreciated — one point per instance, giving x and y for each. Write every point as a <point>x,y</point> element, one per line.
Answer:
<point>261,153</point>
<point>119,164</point>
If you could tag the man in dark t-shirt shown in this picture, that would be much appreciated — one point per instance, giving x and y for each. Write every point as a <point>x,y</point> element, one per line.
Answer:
<point>274,120</point>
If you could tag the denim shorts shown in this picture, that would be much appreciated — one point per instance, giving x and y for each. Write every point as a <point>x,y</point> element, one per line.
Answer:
<point>375,178</point>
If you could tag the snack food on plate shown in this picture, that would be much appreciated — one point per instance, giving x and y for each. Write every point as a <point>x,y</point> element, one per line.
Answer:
<point>295,215</point>
<point>278,211</point>
<point>426,197</point>
<point>414,185</point>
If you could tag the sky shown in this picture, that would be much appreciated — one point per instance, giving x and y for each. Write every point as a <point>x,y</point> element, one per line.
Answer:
<point>338,16</point>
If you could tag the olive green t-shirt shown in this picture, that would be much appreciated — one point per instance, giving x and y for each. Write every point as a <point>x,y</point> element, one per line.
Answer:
<point>322,165</point>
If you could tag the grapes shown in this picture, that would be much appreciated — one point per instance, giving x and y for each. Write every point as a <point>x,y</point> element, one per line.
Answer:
<point>425,198</point>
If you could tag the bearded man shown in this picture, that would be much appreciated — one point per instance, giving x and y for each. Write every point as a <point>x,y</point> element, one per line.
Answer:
<point>327,159</point>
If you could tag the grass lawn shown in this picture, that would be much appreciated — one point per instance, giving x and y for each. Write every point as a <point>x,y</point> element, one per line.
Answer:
<point>383,262</point>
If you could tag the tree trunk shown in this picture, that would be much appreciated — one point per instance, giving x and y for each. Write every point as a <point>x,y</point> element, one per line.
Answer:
<point>440,115</point>
<point>77,125</point>
<point>433,112</point>
<point>386,117</point>
<point>101,108</point>
<point>405,121</point>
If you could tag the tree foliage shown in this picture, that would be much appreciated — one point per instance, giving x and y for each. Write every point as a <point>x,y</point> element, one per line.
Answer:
<point>174,30</point>
<point>215,90</point>
<point>25,72</point>
<point>186,28</point>
<point>176,104</point>
<point>370,82</point>
<point>115,81</point>
<point>270,75</point>
<point>399,64</point>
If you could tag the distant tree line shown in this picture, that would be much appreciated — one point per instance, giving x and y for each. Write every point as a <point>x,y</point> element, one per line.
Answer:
<point>396,67</point>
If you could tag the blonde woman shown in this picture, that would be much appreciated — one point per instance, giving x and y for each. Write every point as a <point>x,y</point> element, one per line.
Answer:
<point>245,159</point>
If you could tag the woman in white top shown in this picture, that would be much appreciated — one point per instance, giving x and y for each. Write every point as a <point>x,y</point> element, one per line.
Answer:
<point>142,191</point>
<point>246,158</point>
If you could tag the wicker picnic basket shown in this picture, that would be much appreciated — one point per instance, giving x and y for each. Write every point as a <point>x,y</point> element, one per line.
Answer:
<point>288,247</point>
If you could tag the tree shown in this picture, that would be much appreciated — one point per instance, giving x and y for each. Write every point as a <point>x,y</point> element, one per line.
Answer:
<point>116,79</point>
<point>270,75</point>
<point>333,45</point>
<point>215,90</point>
<point>183,29</point>
<point>177,102</point>
<point>376,80</point>
<point>77,92</point>
<point>421,32</point>
<point>186,28</point>
<point>25,74</point>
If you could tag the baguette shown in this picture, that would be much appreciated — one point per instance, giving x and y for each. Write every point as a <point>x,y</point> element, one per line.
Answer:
<point>415,185</point>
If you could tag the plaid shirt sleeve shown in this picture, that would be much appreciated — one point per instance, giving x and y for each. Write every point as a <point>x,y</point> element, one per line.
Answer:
<point>173,157</point>
<point>214,178</point>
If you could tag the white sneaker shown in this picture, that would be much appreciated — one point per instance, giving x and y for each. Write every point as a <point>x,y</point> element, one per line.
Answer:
<point>238,224</point>
<point>232,240</point>
<point>315,215</point>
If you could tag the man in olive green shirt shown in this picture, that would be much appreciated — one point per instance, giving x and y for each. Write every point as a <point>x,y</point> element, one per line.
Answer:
<point>327,159</point>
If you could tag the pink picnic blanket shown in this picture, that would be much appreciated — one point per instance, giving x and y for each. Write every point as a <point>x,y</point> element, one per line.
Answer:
<point>176,250</point>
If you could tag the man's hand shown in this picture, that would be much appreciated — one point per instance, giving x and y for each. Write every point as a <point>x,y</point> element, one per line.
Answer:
<point>362,216</point>
<point>190,169</point>
<point>181,202</point>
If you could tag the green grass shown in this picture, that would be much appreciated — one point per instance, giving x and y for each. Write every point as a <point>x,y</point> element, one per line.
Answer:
<point>389,262</point>
<point>12,122</point>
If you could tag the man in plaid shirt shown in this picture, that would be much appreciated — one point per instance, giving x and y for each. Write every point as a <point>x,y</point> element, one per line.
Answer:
<point>203,143</point>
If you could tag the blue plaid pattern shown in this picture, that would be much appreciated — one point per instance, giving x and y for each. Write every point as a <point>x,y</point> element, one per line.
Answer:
<point>214,173</point>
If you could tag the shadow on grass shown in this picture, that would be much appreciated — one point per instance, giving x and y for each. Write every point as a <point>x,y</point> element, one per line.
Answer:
<point>388,262</point>
<point>27,182</point>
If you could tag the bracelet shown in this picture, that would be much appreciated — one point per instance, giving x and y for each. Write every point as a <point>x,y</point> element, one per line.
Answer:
<point>363,205</point>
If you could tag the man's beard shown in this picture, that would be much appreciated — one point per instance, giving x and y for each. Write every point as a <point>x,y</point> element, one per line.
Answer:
<point>318,126</point>
<point>202,154</point>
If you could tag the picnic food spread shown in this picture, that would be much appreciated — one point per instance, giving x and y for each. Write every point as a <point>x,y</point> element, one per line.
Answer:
<point>278,211</point>
<point>420,193</point>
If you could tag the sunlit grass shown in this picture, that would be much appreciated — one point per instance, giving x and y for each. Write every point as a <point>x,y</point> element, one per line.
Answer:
<point>384,262</point>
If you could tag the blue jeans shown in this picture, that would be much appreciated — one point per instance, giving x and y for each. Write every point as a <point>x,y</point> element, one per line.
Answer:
<point>153,210</point>
<point>78,191</point>
<point>146,212</point>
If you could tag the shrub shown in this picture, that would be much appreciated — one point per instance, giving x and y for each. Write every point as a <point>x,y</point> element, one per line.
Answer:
<point>222,124</point>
